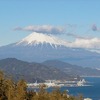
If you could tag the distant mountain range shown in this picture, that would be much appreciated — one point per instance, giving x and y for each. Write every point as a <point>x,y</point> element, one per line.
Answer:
<point>30,71</point>
<point>38,47</point>
<point>53,69</point>
<point>73,70</point>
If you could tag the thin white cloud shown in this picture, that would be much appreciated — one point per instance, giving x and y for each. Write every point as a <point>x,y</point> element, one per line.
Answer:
<point>46,29</point>
<point>79,42</point>
<point>86,43</point>
<point>77,36</point>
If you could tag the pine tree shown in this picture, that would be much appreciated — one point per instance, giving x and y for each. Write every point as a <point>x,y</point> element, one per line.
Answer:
<point>21,89</point>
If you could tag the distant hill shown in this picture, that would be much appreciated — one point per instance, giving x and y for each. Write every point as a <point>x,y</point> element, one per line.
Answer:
<point>72,69</point>
<point>30,71</point>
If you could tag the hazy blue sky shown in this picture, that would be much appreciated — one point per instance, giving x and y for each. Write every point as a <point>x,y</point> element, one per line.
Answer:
<point>80,18</point>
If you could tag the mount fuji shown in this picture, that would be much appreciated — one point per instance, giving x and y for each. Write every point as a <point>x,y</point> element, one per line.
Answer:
<point>41,39</point>
<point>39,47</point>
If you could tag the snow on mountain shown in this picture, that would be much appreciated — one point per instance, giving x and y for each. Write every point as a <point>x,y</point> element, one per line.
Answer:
<point>40,38</point>
<point>36,39</point>
<point>39,47</point>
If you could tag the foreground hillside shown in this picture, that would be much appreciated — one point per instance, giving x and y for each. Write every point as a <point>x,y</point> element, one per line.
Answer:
<point>10,90</point>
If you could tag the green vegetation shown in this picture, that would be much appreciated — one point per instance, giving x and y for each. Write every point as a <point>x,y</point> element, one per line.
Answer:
<point>10,90</point>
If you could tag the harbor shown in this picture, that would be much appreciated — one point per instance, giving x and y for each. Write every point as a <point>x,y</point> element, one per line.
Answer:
<point>68,86</point>
<point>57,83</point>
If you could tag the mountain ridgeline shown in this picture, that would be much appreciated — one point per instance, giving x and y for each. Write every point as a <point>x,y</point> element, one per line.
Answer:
<point>53,69</point>
<point>38,47</point>
<point>31,71</point>
<point>73,70</point>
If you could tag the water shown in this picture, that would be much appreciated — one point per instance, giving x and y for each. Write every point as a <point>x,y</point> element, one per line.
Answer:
<point>92,91</point>
<point>87,91</point>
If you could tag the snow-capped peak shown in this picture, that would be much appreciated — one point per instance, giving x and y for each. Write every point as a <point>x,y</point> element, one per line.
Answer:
<point>40,38</point>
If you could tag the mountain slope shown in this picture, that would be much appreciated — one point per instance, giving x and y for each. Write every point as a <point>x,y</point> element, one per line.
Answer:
<point>72,69</point>
<point>30,71</point>
<point>39,38</point>
<point>38,47</point>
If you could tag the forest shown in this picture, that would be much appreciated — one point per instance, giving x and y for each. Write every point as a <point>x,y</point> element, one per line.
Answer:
<point>12,90</point>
